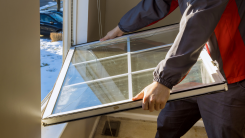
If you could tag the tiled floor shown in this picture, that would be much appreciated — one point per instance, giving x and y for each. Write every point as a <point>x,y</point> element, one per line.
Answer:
<point>141,129</point>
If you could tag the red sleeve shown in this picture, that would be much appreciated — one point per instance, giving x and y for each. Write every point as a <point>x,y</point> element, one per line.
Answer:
<point>174,5</point>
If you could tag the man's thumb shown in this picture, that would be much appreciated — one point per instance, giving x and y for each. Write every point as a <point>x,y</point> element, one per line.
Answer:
<point>139,96</point>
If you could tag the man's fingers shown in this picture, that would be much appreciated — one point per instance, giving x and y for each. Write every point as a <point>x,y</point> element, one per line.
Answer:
<point>112,34</point>
<point>157,106</point>
<point>139,96</point>
<point>145,102</point>
<point>104,38</point>
<point>152,103</point>
<point>145,105</point>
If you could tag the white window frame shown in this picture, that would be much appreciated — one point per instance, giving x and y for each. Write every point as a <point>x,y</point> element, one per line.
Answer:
<point>49,118</point>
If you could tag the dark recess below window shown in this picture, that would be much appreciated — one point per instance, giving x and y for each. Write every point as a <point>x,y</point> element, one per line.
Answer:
<point>114,125</point>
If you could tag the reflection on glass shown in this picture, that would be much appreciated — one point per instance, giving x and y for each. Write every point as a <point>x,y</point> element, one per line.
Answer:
<point>153,40</point>
<point>149,59</point>
<point>140,81</point>
<point>198,76</point>
<point>95,70</point>
<point>98,51</point>
<point>87,95</point>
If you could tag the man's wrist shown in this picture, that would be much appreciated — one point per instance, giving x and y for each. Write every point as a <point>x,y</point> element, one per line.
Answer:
<point>161,85</point>
<point>163,82</point>
<point>119,30</point>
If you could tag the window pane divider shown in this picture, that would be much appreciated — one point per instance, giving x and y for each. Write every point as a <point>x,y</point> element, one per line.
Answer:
<point>101,79</point>
<point>141,71</point>
<point>152,48</point>
<point>100,59</point>
<point>130,87</point>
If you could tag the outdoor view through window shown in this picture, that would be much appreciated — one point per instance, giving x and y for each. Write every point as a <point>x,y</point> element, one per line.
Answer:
<point>51,44</point>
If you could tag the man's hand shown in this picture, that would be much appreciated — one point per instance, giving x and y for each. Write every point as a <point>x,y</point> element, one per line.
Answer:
<point>112,34</point>
<point>154,96</point>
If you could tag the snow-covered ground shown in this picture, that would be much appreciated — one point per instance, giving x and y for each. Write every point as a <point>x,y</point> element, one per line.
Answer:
<point>51,57</point>
<point>51,62</point>
<point>51,6</point>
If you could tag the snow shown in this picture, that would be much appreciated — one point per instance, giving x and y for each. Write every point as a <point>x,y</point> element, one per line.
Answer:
<point>51,58</point>
<point>50,4</point>
<point>51,62</point>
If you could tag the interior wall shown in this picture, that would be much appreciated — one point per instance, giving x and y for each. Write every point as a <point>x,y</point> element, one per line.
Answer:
<point>113,10</point>
<point>20,90</point>
<point>93,24</point>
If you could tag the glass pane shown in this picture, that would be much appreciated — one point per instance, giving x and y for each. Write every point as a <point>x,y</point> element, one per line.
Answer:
<point>78,73</point>
<point>100,50</point>
<point>149,59</point>
<point>141,80</point>
<point>198,76</point>
<point>153,40</point>
<point>74,97</point>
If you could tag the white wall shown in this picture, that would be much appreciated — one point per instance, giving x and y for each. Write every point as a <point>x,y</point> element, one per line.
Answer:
<point>20,91</point>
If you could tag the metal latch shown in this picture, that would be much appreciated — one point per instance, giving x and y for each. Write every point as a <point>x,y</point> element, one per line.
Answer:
<point>215,63</point>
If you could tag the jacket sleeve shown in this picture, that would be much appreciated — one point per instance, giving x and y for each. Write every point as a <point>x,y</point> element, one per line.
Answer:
<point>196,26</point>
<point>145,13</point>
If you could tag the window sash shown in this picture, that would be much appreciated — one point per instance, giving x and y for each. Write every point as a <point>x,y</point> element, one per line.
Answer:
<point>219,80</point>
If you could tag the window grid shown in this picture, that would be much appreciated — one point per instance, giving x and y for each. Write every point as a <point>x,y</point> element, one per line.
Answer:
<point>129,74</point>
<point>120,55</point>
<point>130,89</point>
<point>101,59</point>
<point>97,80</point>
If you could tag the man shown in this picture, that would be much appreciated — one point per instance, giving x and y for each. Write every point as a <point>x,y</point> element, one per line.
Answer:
<point>220,24</point>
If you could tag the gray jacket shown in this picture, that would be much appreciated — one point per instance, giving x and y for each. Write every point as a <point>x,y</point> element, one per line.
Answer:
<point>199,20</point>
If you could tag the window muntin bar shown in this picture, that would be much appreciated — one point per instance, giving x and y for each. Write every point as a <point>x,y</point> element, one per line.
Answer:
<point>129,70</point>
<point>96,70</point>
<point>145,70</point>
<point>100,59</point>
<point>98,50</point>
<point>152,48</point>
<point>107,78</point>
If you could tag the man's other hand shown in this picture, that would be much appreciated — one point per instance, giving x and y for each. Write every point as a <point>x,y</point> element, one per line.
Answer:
<point>113,33</point>
<point>155,96</point>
